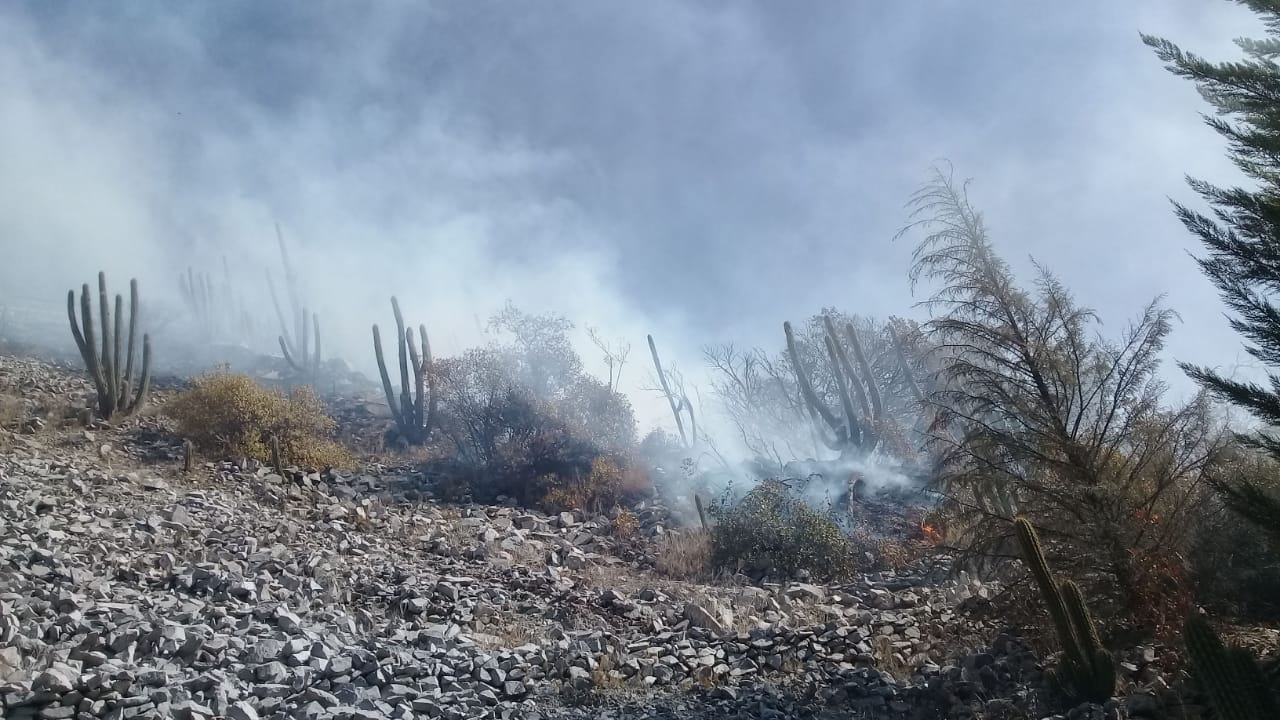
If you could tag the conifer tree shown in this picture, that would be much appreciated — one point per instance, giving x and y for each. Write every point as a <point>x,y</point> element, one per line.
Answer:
<point>1242,239</point>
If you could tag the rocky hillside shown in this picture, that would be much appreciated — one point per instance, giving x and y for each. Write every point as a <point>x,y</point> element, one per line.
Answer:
<point>131,589</point>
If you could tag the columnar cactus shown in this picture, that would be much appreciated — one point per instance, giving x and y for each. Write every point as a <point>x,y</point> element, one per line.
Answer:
<point>415,409</point>
<point>854,430</point>
<point>1236,686</point>
<point>678,400</point>
<point>1088,671</point>
<point>304,356</point>
<point>219,313</point>
<point>111,374</point>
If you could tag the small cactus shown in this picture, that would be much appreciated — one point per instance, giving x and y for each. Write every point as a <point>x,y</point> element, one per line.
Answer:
<point>415,410</point>
<point>1235,684</point>
<point>1088,671</point>
<point>112,375</point>
<point>276,463</point>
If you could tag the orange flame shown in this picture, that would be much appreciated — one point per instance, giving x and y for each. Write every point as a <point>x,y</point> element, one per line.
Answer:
<point>931,533</point>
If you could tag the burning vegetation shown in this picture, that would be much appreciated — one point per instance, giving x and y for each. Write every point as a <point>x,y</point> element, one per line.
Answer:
<point>999,430</point>
<point>1007,436</point>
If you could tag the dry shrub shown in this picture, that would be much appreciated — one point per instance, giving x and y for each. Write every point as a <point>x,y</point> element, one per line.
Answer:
<point>684,554</point>
<point>538,433</point>
<point>228,415</point>
<point>1162,596</point>
<point>626,526</point>
<point>772,530</point>
<point>610,483</point>
<point>897,554</point>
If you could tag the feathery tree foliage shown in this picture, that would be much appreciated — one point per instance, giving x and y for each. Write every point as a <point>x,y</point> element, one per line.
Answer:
<point>1243,237</point>
<point>1035,406</point>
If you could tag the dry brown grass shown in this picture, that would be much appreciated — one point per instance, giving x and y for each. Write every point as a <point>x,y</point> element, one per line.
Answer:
<point>504,632</point>
<point>228,415</point>
<point>685,555</point>
<point>896,554</point>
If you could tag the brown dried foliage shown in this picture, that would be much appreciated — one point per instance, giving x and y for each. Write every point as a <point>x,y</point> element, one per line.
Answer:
<point>229,416</point>
<point>684,555</point>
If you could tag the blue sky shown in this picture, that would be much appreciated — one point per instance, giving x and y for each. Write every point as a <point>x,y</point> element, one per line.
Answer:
<point>700,170</point>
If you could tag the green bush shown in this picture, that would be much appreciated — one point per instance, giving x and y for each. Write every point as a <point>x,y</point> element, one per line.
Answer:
<point>772,530</point>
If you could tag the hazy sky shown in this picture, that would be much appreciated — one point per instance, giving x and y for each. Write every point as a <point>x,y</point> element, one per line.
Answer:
<point>700,170</point>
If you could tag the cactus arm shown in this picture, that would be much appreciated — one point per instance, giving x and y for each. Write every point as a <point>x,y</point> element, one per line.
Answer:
<point>144,383</point>
<point>1099,674</point>
<point>428,369</point>
<point>286,341</point>
<point>315,361</point>
<point>1235,685</point>
<point>117,357</point>
<point>806,390</point>
<point>406,402</point>
<point>877,404</point>
<point>304,343</point>
<point>108,370</point>
<point>852,428</point>
<point>134,311</point>
<point>1034,555</point>
<point>419,380</point>
<point>666,389</point>
<point>386,379</point>
<point>85,341</point>
<point>846,367</point>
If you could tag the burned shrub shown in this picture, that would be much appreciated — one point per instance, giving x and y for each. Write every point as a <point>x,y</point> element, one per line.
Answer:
<point>772,531</point>
<point>229,416</point>
<point>613,481</point>
<point>564,445</point>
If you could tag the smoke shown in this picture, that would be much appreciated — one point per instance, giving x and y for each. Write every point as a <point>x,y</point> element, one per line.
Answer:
<point>700,172</point>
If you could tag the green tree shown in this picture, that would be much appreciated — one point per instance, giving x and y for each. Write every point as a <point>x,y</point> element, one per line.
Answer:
<point>1242,238</point>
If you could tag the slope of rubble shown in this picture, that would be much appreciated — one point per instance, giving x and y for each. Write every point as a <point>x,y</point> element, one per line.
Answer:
<point>129,589</point>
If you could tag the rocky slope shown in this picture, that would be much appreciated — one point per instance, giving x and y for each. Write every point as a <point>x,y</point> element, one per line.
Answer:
<point>129,589</point>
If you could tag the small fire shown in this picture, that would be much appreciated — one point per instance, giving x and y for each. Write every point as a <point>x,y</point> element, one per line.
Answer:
<point>932,534</point>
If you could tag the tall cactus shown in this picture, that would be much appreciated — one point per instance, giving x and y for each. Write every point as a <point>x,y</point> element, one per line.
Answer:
<point>305,358</point>
<point>1236,686</point>
<point>111,374</point>
<point>415,409</point>
<point>217,309</point>
<point>1088,671</point>
<point>678,400</point>
<point>853,432</point>
<point>304,355</point>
